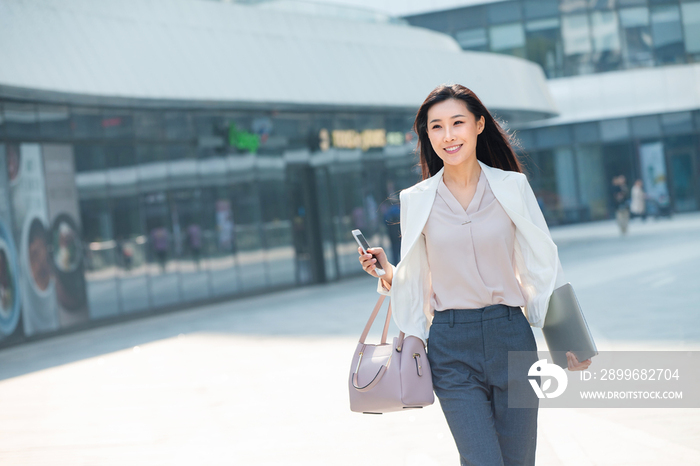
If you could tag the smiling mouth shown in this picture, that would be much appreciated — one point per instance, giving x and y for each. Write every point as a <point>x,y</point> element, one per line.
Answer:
<point>453,149</point>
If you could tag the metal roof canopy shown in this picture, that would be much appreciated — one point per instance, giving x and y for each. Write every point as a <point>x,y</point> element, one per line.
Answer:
<point>196,54</point>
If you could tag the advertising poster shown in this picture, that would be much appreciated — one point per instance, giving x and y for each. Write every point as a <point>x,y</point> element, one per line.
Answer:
<point>65,238</point>
<point>654,170</point>
<point>31,228</point>
<point>10,301</point>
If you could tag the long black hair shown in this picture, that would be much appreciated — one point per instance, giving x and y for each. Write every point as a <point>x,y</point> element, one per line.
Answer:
<point>493,145</point>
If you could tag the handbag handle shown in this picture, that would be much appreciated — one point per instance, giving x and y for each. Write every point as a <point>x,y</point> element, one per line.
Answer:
<point>373,316</point>
<point>363,337</point>
<point>372,382</point>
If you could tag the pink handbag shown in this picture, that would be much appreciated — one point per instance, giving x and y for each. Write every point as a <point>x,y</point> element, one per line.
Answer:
<point>384,377</point>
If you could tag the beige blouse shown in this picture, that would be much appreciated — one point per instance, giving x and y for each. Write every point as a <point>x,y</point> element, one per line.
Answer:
<point>470,253</point>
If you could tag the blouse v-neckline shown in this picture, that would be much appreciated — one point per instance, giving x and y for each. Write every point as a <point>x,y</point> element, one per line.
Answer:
<point>454,204</point>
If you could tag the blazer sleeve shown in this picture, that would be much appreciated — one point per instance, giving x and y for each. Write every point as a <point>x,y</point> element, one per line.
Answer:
<point>537,218</point>
<point>402,221</point>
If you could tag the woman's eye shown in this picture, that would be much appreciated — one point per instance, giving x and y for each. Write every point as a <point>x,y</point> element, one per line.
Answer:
<point>436,127</point>
<point>458,122</point>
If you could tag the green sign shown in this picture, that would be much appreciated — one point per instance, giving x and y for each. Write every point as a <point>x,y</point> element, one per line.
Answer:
<point>243,140</point>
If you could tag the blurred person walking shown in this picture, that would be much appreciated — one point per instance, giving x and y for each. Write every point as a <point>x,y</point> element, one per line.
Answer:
<point>621,201</point>
<point>475,249</point>
<point>638,206</point>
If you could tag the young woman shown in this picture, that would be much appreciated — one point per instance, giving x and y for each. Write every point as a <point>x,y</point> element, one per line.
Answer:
<point>475,249</point>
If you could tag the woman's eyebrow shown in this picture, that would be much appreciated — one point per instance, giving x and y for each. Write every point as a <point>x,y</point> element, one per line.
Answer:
<point>451,118</point>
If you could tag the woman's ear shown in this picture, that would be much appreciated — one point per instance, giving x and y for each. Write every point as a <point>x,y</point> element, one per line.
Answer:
<point>480,124</point>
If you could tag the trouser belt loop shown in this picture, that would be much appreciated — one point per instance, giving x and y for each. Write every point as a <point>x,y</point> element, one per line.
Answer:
<point>511,311</point>
<point>452,318</point>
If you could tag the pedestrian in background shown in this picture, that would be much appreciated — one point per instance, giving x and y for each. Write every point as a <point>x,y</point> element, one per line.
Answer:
<point>621,201</point>
<point>638,207</point>
<point>472,238</point>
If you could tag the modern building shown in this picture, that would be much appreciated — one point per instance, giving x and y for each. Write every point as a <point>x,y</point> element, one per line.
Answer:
<point>157,153</point>
<point>625,76</point>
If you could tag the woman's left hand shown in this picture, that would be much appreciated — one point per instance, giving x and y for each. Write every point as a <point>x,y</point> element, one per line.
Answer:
<point>574,365</point>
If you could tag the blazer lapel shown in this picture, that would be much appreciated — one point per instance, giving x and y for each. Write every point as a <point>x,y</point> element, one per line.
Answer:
<point>420,203</point>
<point>505,193</point>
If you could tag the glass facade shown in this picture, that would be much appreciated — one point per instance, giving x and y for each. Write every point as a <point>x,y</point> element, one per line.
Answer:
<point>571,166</point>
<point>572,37</point>
<point>179,206</point>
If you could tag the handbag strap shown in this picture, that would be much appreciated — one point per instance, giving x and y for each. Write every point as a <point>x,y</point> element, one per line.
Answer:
<point>385,332</point>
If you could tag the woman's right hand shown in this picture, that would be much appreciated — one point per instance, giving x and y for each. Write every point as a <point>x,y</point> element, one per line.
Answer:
<point>369,263</point>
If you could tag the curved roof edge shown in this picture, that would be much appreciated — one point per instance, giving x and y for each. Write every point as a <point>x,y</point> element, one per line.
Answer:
<point>620,94</point>
<point>189,53</point>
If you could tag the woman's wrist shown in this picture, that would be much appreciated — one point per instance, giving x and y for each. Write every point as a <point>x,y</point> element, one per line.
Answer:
<point>388,277</point>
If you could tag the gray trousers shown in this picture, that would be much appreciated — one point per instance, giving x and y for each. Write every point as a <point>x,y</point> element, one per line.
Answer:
<point>468,354</point>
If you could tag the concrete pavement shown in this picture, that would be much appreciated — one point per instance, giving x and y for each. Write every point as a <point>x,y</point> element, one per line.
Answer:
<point>262,381</point>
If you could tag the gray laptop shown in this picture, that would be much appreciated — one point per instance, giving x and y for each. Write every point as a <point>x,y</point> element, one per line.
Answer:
<point>565,328</point>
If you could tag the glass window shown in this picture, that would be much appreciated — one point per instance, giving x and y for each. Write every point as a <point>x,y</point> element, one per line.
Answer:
<point>553,136</point>
<point>634,17</point>
<point>472,39</point>
<point>636,37</point>
<point>178,125</point>
<point>576,36</point>
<point>148,125</point>
<point>131,253</point>
<point>602,4</point>
<point>540,8</point>
<point>631,2</point>
<point>691,26</point>
<point>152,168</point>
<point>586,132</point>
<point>542,24</point>
<point>503,12</point>
<point>571,6</point>
<point>117,124</point>
<point>605,35</point>
<point>592,181</point>
<point>677,123</point>
<point>646,126</point>
<point>100,261</point>
<point>508,38</point>
<point>461,18</point>
<point>248,237</point>
<point>680,152</point>
<point>20,120</point>
<point>164,247</point>
<point>526,138</point>
<point>120,155</point>
<point>606,40</point>
<point>565,174</point>
<point>543,45</point>
<point>618,159</point>
<point>87,123</point>
<point>89,157</point>
<point>54,122</point>
<point>612,130</point>
<point>667,34</point>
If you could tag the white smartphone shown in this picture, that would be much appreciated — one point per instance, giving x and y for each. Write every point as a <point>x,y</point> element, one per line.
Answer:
<point>360,238</point>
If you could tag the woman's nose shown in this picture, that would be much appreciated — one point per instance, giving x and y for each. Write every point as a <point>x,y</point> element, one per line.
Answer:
<point>449,136</point>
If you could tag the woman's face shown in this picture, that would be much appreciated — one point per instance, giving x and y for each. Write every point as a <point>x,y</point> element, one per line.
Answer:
<point>452,130</point>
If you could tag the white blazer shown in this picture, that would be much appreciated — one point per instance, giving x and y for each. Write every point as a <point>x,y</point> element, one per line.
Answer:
<point>537,265</point>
